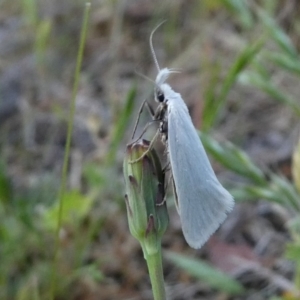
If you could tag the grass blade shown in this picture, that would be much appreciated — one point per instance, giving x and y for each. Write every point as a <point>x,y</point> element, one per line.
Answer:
<point>205,272</point>
<point>241,10</point>
<point>282,39</point>
<point>269,88</point>
<point>284,61</point>
<point>212,108</point>
<point>233,158</point>
<point>278,190</point>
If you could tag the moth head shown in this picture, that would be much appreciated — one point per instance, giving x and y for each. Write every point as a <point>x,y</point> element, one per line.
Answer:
<point>159,95</point>
<point>161,88</point>
<point>164,74</point>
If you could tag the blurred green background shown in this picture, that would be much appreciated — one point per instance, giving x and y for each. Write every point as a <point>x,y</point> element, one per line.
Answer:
<point>240,70</point>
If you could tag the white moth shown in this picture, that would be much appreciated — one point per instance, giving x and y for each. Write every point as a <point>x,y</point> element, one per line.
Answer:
<point>202,202</point>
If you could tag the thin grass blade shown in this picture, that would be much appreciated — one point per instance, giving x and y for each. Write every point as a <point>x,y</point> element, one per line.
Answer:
<point>205,272</point>
<point>213,108</point>
<point>233,158</point>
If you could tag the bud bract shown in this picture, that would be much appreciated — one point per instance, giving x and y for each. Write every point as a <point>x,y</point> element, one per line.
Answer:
<point>145,195</point>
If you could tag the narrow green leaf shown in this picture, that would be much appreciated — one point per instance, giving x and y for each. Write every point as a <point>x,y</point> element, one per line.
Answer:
<point>292,251</point>
<point>277,33</point>
<point>287,190</point>
<point>294,228</point>
<point>42,36</point>
<point>254,79</point>
<point>252,192</point>
<point>5,186</point>
<point>90,271</point>
<point>233,158</point>
<point>94,176</point>
<point>76,207</point>
<point>284,61</point>
<point>121,124</point>
<point>243,60</point>
<point>242,11</point>
<point>30,10</point>
<point>209,114</point>
<point>278,190</point>
<point>207,273</point>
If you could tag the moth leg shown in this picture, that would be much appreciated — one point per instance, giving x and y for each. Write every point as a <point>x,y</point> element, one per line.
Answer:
<point>143,132</point>
<point>149,148</point>
<point>138,118</point>
<point>150,110</point>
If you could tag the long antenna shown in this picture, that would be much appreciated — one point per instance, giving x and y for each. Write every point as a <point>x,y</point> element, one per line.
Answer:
<point>151,45</point>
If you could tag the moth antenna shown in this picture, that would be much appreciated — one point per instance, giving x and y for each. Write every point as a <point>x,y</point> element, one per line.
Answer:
<point>151,45</point>
<point>144,76</point>
<point>147,78</point>
<point>175,70</point>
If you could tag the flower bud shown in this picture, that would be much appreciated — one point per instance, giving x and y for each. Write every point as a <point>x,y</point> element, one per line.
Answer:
<point>146,207</point>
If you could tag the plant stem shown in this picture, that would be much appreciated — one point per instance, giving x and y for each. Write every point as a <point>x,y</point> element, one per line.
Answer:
<point>154,263</point>
<point>63,183</point>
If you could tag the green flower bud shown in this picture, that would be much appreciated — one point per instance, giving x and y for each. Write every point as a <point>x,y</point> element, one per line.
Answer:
<point>146,209</point>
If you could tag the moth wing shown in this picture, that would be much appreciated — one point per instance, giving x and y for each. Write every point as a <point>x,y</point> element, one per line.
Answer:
<point>203,203</point>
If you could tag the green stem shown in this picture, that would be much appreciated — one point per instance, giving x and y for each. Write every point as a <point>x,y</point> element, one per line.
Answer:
<point>63,183</point>
<point>154,262</point>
